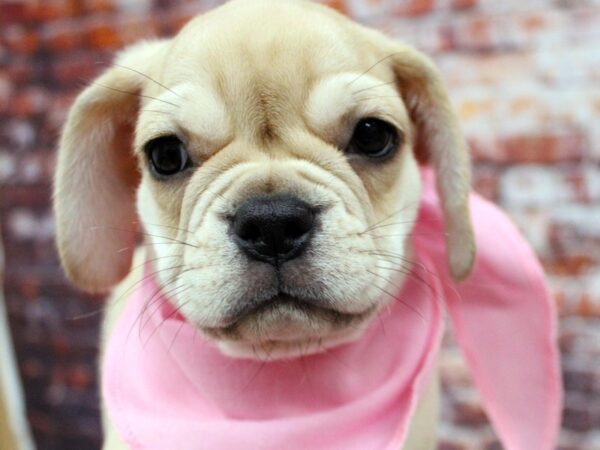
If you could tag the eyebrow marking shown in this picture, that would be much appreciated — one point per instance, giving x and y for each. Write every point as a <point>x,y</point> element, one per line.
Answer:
<point>266,131</point>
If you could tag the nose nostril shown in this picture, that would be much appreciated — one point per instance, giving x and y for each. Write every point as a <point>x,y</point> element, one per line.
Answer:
<point>298,227</point>
<point>249,231</point>
<point>273,229</point>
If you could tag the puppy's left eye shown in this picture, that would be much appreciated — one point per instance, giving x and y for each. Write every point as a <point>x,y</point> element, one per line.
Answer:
<point>167,155</point>
<point>374,138</point>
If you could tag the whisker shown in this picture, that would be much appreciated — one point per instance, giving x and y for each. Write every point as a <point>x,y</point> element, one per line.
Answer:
<point>412,264</point>
<point>262,365</point>
<point>156,111</point>
<point>164,226</point>
<point>408,305</point>
<point>135,94</point>
<point>161,289</point>
<point>385,219</point>
<point>150,244</point>
<point>175,240</point>
<point>403,258</point>
<point>303,354</point>
<point>180,326</point>
<point>409,273</point>
<point>149,78</point>
<point>364,99</point>
<point>101,310</point>
<point>382,324</point>
<point>373,87</point>
<point>419,265</point>
<point>408,233</point>
<point>155,298</point>
<point>169,316</point>
<point>140,316</point>
<point>384,225</point>
<point>218,194</point>
<point>151,275</point>
<point>372,67</point>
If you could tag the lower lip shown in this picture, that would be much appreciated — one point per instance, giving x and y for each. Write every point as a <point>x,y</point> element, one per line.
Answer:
<point>287,300</point>
<point>270,304</point>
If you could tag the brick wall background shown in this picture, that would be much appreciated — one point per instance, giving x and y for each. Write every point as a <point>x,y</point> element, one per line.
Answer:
<point>525,78</point>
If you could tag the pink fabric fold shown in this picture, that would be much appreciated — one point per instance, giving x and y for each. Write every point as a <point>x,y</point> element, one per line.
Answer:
<point>166,387</point>
<point>504,320</point>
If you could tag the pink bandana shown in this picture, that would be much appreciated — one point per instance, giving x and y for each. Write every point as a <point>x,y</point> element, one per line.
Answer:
<point>166,387</point>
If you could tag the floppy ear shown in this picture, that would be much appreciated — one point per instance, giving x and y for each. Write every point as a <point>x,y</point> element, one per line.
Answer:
<point>97,175</point>
<point>439,141</point>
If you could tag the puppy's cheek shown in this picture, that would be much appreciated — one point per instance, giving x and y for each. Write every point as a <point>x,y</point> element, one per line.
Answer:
<point>218,278</point>
<point>392,231</point>
<point>212,285</point>
<point>164,247</point>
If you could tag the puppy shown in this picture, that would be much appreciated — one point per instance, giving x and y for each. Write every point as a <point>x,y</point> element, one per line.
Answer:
<point>256,152</point>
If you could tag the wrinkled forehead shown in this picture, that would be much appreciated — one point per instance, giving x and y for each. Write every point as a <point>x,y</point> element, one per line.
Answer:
<point>257,72</point>
<point>271,51</point>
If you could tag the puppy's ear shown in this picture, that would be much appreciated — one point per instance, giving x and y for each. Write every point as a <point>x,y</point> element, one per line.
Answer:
<point>97,175</point>
<point>439,141</point>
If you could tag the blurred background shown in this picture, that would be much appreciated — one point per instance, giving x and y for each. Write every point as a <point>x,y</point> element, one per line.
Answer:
<point>525,78</point>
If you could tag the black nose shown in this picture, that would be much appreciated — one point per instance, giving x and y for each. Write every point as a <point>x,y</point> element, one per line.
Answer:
<point>273,229</point>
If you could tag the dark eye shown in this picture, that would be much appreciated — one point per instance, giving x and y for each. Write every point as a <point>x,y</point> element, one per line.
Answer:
<point>167,155</point>
<point>374,138</point>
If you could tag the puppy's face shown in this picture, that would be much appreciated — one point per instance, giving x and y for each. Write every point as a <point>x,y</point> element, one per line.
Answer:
<point>279,178</point>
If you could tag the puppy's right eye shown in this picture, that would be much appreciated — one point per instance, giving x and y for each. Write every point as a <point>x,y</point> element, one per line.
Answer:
<point>167,155</point>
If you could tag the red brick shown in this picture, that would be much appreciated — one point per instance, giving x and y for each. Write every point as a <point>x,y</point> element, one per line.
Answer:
<point>103,37</point>
<point>41,423</point>
<point>22,69</point>
<point>469,413</point>
<point>174,22</point>
<point>76,70</point>
<point>31,100</point>
<point>134,29</point>
<point>16,11</point>
<point>579,419</point>
<point>80,377</point>
<point>32,368</point>
<point>533,22</point>
<point>463,4</point>
<point>533,148</point>
<point>588,307</point>
<point>339,5</point>
<point>485,182</point>
<point>21,40</point>
<point>569,265</point>
<point>582,381</point>
<point>415,7</point>
<point>33,197</point>
<point>444,445</point>
<point>478,31</point>
<point>6,90</point>
<point>49,10</point>
<point>98,6</point>
<point>57,111</point>
<point>63,38</point>
<point>60,346</point>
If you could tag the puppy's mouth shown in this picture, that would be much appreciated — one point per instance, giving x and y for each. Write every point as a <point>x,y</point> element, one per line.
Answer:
<point>285,318</point>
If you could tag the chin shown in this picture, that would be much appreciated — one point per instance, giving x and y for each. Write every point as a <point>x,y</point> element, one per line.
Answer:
<point>286,328</point>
